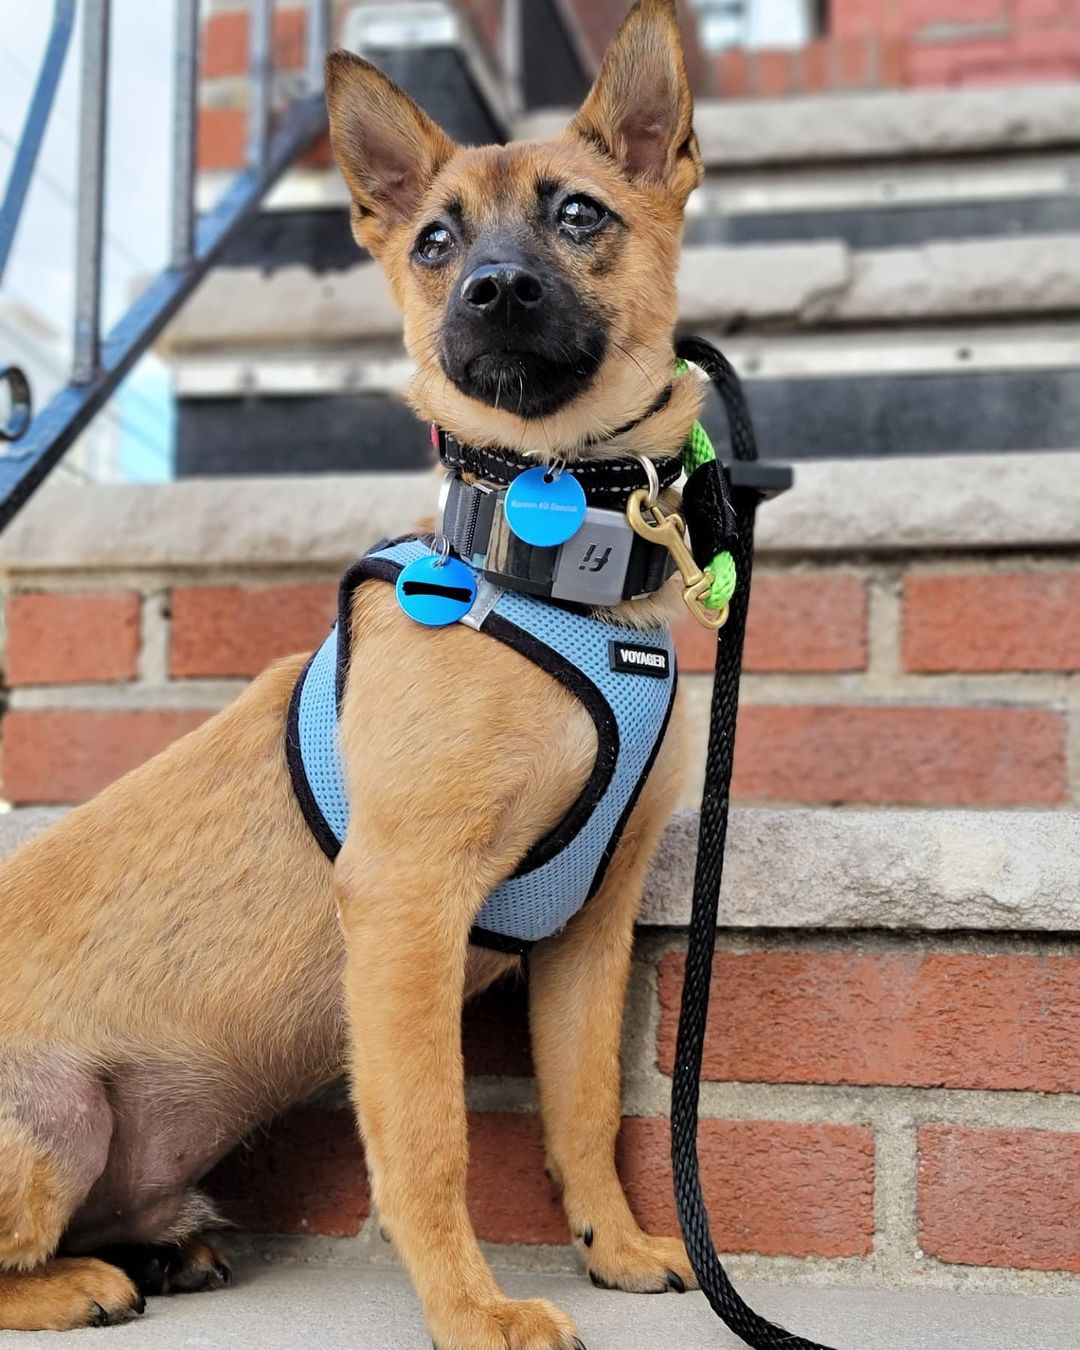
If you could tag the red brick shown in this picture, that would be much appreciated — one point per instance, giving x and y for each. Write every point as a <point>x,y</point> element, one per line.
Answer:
<point>239,630</point>
<point>68,638</point>
<point>891,57</point>
<point>320,156</point>
<point>937,1019</point>
<point>781,1189</point>
<point>733,74</point>
<point>801,1190</point>
<point>1026,11</point>
<point>1000,1197</point>
<point>958,63</point>
<point>797,623</point>
<point>953,13</point>
<point>68,754</point>
<point>857,18</point>
<point>1056,42</point>
<point>815,67</point>
<point>853,63</point>
<point>773,73</point>
<point>304,1175</point>
<point>510,1198</point>
<point>991,622</point>
<point>222,139</point>
<point>486,16</point>
<point>902,755</point>
<point>226,40</point>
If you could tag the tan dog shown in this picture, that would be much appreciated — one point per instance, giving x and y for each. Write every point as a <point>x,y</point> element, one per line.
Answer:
<point>180,960</point>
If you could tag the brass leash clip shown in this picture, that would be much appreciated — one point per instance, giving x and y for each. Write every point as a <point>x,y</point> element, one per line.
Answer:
<point>669,529</point>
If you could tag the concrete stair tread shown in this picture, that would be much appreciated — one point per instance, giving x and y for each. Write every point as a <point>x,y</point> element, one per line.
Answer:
<point>812,285</point>
<point>918,870</point>
<point>348,1308</point>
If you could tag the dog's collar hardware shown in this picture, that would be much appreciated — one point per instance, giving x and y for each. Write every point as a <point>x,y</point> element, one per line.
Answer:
<point>603,564</point>
<point>607,483</point>
<point>669,530</point>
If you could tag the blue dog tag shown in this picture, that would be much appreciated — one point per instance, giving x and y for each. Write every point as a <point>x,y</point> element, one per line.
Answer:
<point>545,509</point>
<point>436,591</point>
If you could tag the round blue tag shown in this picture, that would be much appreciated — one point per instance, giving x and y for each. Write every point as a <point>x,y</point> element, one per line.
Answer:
<point>545,509</point>
<point>436,591</point>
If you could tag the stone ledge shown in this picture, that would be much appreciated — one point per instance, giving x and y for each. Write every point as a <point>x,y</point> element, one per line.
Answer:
<point>947,503</point>
<point>871,126</point>
<point>993,871</point>
<point>805,286</point>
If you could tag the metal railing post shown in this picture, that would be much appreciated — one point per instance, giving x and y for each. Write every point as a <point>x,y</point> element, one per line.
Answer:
<point>261,94</point>
<point>318,42</point>
<point>185,114</point>
<point>37,119</point>
<point>92,129</point>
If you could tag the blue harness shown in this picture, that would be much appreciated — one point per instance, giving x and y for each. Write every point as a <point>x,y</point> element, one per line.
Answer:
<point>624,677</point>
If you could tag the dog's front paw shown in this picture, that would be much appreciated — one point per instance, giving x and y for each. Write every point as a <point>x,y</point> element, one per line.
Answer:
<point>507,1325</point>
<point>639,1264</point>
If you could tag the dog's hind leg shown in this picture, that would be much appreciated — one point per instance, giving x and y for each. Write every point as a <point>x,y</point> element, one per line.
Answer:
<point>55,1127</point>
<point>187,1267</point>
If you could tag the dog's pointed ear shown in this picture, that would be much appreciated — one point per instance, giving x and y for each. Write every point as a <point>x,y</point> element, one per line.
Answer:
<point>640,110</point>
<point>388,149</point>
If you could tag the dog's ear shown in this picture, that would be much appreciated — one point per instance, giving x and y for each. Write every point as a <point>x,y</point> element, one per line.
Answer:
<point>388,148</point>
<point>640,110</point>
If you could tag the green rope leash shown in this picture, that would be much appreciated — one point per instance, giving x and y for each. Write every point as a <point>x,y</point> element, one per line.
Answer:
<point>699,450</point>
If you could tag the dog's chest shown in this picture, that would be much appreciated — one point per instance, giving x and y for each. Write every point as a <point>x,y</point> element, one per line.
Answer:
<point>624,678</point>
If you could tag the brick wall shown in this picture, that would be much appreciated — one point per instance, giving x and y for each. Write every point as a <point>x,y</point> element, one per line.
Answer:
<point>878,1110</point>
<point>935,684</point>
<point>870,44</point>
<point>898,1108</point>
<point>893,44</point>
<point>224,63</point>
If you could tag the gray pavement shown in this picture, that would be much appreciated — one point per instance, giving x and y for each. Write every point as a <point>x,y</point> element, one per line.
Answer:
<point>338,1308</point>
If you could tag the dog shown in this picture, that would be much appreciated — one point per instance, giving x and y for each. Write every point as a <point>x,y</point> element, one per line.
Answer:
<point>181,960</point>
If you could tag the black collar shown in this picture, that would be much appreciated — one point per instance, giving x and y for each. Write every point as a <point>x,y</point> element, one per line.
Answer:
<point>607,482</point>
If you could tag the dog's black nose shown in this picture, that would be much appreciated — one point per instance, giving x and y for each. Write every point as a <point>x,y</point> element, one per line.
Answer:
<point>496,284</point>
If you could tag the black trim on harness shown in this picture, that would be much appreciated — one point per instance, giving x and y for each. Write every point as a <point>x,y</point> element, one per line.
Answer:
<point>620,828</point>
<point>309,807</point>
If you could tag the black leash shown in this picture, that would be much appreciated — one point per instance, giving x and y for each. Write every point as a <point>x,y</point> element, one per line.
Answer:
<point>753,1330</point>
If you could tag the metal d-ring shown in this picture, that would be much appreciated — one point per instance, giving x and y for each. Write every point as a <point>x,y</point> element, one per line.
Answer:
<point>22,404</point>
<point>554,471</point>
<point>653,479</point>
<point>441,546</point>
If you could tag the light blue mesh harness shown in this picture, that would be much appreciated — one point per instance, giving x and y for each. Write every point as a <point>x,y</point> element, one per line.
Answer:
<point>624,677</point>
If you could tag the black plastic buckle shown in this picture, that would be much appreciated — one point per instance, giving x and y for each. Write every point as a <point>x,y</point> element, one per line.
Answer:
<point>761,476</point>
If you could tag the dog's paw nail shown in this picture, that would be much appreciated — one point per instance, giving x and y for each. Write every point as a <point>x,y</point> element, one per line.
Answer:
<point>223,1273</point>
<point>384,1233</point>
<point>588,1236</point>
<point>578,1345</point>
<point>98,1316</point>
<point>139,1305</point>
<point>675,1282</point>
<point>599,1283</point>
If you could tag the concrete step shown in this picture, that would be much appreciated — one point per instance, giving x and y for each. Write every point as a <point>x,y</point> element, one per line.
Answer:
<point>911,870</point>
<point>806,287</point>
<point>336,1308</point>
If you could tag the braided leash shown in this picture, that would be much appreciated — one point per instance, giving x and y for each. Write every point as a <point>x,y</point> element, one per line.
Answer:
<point>753,1330</point>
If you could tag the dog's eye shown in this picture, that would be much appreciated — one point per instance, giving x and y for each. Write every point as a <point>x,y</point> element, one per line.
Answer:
<point>435,244</point>
<point>581,215</point>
